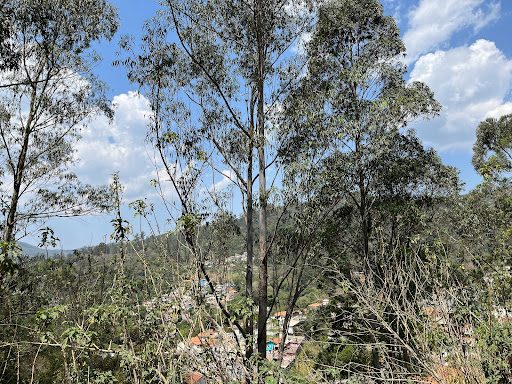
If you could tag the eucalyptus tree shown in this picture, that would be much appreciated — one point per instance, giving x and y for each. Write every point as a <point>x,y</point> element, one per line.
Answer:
<point>214,72</point>
<point>347,124</point>
<point>48,93</point>
<point>492,158</point>
<point>355,102</point>
<point>492,151</point>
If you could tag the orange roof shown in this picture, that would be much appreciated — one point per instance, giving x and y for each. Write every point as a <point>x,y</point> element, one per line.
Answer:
<point>192,378</point>
<point>207,333</point>
<point>207,337</point>
<point>202,341</point>
<point>279,314</point>
<point>429,310</point>
<point>276,341</point>
<point>447,375</point>
<point>314,305</point>
<point>196,341</point>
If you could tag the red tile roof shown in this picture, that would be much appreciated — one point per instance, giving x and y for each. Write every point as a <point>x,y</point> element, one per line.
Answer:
<point>193,378</point>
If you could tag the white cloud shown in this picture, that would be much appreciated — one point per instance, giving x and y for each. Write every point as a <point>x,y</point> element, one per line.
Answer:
<point>119,146</point>
<point>227,177</point>
<point>300,45</point>
<point>499,111</point>
<point>433,22</point>
<point>471,83</point>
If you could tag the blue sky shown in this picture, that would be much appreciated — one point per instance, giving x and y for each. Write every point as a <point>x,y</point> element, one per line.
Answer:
<point>460,48</point>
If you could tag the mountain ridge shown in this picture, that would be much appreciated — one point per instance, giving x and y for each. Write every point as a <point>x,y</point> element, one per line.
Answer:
<point>32,250</point>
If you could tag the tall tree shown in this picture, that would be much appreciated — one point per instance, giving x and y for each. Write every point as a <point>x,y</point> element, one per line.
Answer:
<point>347,123</point>
<point>350,115</point>
<point>49,93</point>
<point>492,158</point>
<point>214,72</point>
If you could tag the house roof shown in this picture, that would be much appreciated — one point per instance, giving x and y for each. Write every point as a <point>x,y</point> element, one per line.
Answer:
<point>279,314</point>
<point>203,341</point>
<point>207,333</point>
<point>209,337</point>
<point>446,375</point>
<point>314,305</point>
<point>193,378</point>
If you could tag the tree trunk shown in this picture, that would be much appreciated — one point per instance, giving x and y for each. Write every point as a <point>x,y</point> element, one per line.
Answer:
<point>263,271</point>
<point>263,255</point>
<point>249,326</point>
<point>18,175</point>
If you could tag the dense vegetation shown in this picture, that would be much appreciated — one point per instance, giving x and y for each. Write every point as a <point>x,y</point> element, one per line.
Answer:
<point>365,252</point>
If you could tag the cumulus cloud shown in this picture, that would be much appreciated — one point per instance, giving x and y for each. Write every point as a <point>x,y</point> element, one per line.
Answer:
<point>499,111</point>
<point>119,146</point>
<point>433,22</point>
<point>227,177</point>
<point>471,82</point>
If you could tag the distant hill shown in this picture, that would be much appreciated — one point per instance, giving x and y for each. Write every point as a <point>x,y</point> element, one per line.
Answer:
<point>32,250</point>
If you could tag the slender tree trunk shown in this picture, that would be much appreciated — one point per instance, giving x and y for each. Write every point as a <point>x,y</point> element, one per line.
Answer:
<point>263,254</point>
<point>18,175</point>
<point>249,326</point>
<point>369,268</point>
<point>263,271</point>
<point>263,268</point>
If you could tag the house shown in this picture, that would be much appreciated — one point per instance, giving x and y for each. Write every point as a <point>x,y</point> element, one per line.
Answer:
<point>447,375</point>
<point>279,316</point>
<point>195,378</point>
<point>296,314</point>
<point>206,339</point>
<point>271,345</point>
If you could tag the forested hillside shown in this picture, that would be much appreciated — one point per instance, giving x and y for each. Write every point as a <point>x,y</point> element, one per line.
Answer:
<point>354,254</point>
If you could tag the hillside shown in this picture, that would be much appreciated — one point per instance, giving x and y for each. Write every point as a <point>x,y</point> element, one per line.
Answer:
<point>32,250</point>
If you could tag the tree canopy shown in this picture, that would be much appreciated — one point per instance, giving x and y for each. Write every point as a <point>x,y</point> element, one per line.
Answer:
<point>48,93</point>
<point>492,151</point>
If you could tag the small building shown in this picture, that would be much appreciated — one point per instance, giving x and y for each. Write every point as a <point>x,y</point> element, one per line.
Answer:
<point>271,346</point>
<point>195,378</point>
<point>315,305</point>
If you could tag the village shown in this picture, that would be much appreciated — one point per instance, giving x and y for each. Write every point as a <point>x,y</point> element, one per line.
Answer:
<point>226,343</point>
<point>182,303</point>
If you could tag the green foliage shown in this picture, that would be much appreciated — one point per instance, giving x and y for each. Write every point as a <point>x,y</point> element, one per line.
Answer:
<point>49,92</point>
<point>492,151</point>
<point>495,345</point>
<point>188,223</point>
<point>8,257</point>
<point>48,237</point>
<point>242,308</point>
